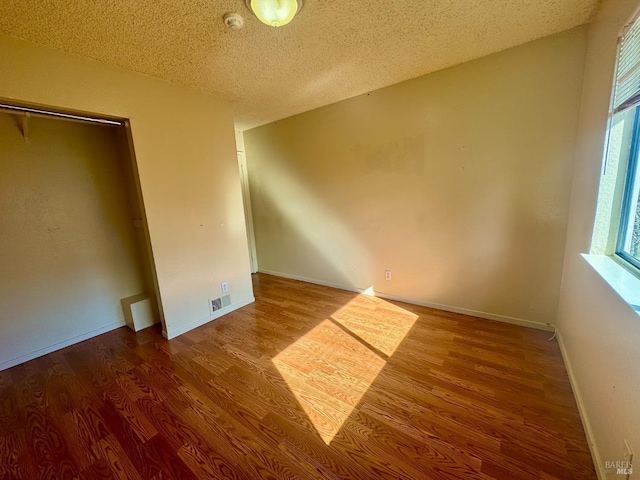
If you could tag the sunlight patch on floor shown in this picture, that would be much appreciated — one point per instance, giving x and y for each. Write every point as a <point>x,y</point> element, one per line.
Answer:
<point>381,324</point>
<point>328,371</point>
<point>330,368</point>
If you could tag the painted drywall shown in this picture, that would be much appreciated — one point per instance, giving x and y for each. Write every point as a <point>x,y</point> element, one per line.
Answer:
<point>67,243</point>
<point>600,333</point>
<point>457,182</point>
<point>186,160</point>
<point>136,212</point>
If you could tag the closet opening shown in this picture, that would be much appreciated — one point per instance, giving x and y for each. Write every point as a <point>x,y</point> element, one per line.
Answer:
<point>74,243</point>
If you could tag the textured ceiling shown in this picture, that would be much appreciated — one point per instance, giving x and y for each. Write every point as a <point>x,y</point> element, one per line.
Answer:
<point>333,49</point>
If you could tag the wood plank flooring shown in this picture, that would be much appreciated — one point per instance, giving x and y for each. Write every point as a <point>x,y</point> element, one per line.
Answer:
<point>308,382</point>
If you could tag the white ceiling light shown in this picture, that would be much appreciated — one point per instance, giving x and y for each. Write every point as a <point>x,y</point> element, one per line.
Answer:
<point>275,12</point>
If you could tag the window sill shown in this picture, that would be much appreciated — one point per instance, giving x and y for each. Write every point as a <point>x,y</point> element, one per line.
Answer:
<point>625,283</point>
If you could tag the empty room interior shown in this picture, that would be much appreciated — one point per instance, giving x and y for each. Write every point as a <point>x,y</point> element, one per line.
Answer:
<point>290,239</point>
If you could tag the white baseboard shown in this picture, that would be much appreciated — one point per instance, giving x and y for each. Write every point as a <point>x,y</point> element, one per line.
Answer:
<point>593,447</point>
<point>57,346</point>
<point>473,313</point>
<point>174,332</point>
<point>93,333</point>
<point>448,308</point>
<point>310,280</point>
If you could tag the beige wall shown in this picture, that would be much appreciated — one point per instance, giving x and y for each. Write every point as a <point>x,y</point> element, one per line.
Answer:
<point>67,244</point>
<point>136,212</point>
<point>458,182</point>
<point>185,153</point>
<point>599,331</point>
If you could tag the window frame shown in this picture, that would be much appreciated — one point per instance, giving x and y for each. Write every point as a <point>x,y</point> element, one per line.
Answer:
<point>625,96</point>
<point>632,166</point>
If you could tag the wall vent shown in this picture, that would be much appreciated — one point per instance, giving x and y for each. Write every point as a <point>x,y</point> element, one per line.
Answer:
<point>219,303</point>
<point>215,304</point>
<point>226,300</point>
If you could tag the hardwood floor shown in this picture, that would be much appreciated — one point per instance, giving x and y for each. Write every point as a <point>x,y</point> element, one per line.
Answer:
<point>308,382</point>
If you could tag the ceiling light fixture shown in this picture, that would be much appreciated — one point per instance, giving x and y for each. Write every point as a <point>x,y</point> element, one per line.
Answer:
<point>275,12</point>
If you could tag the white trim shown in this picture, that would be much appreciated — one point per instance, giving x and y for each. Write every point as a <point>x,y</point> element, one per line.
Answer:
<point>310,280</point>
<point>593,447</point>
<point>618,277</point>
<point>448,308</point>
<point>57,346</point>
<point>473,313</point>
<point>248,212</point>
<point>173,333</point>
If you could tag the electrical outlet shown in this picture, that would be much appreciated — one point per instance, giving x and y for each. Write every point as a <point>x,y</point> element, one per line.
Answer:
<point>387,274</point>
<point>225,287</point>
<point>627,458</point>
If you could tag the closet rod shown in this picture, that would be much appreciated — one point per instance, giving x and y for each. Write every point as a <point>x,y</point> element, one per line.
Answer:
<point>67,116</point>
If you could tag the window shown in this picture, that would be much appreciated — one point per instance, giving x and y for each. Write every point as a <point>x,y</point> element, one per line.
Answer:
<point>628,242</point>
<point>617,229</point>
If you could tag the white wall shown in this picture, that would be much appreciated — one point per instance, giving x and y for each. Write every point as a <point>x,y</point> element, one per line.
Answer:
<point>458,182</point>
<point>599,332</point>
<point>185,152</point>
<point>68,250</point>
